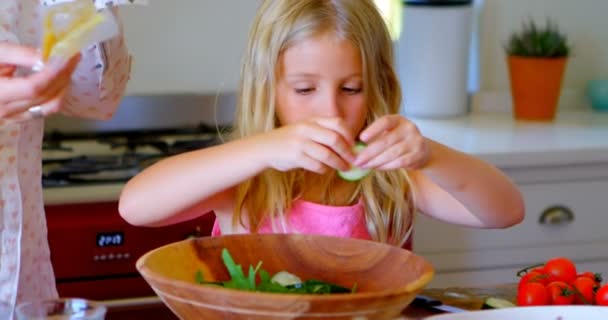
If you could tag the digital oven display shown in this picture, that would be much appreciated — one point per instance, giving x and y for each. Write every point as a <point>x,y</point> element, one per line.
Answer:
<point>110,239</point>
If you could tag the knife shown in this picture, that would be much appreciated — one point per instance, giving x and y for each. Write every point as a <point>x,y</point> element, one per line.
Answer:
<point>422,301</point>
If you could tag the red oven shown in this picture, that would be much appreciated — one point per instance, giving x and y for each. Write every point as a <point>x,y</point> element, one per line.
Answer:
<point>93,250</point>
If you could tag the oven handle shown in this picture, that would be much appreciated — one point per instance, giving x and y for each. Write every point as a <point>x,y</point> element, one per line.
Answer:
<point>132,302</point>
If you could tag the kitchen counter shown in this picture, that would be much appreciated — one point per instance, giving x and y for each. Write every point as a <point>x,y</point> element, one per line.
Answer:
<point>575,137</point>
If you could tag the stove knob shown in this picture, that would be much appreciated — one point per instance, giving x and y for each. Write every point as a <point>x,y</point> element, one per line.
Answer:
<point>102,257</point>
<point>111,256</point>
<point>95,258</point>
<point>119,256</point>
<point>127,255</point>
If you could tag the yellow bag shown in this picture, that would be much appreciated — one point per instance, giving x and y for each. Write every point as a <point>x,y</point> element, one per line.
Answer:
<point>70,27</point>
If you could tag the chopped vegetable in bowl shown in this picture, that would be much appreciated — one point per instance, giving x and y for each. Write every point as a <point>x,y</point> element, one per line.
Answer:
<point>281,282</point>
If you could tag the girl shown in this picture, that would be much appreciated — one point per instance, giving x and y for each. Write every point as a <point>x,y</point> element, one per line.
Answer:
<point>88,85</point>
<point>318,76</point>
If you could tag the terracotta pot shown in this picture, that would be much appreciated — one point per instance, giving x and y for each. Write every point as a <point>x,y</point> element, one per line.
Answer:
<point>535,86</point>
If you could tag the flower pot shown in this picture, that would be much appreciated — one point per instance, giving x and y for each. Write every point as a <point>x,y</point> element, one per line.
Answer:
<point>535,86</point>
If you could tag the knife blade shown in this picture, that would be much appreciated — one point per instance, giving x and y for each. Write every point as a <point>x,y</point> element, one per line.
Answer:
<point>422,301</point>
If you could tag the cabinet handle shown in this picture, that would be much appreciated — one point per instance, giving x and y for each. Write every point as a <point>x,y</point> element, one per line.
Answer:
<point>556,215</point>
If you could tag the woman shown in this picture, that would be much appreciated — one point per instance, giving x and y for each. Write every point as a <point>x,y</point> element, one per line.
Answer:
<point>89,85</point>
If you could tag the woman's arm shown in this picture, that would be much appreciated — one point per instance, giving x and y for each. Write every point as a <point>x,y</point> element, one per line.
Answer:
<point>461,189</point>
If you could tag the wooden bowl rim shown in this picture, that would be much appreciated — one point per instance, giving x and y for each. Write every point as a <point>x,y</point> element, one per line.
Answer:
<point>417,285</point>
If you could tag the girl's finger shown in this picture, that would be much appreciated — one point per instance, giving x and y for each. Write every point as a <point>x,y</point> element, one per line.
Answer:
<point>325,155</point>
<point>338,125</point>
<point>310,164</point>
<point>378,146</point>
<point>332,140</point>
<point>387,155</point>
<point>378,127</point>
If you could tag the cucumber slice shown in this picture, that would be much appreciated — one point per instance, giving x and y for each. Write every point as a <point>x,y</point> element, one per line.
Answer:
<point>498,303</point>
<point>355,173</point>
<point>285,278</point>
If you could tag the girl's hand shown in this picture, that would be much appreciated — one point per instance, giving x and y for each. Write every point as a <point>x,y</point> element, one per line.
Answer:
<point>316,145</point>
<point>45,88</point>
<point>393,142</point>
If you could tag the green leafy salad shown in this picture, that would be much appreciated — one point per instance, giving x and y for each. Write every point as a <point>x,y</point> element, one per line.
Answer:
<point>281,282</point>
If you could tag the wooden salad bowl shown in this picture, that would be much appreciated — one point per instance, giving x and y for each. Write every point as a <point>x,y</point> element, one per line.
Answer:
<point>387,277</point>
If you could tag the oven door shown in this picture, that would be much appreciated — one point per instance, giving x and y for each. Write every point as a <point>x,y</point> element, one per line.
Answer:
<point>93,251</point>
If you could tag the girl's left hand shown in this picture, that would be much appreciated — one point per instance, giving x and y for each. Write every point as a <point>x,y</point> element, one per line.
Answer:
<point>393,142</point>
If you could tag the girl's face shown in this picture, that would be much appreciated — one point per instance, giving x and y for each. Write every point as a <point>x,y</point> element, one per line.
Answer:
<point>321,77</point>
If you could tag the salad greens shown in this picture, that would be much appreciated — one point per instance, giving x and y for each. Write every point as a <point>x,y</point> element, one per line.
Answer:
<point>238,280</point>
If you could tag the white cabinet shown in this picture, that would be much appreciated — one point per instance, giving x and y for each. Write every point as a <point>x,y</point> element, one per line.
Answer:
<point>566,215</point>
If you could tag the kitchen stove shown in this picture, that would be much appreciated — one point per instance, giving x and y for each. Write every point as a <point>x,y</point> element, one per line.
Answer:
<point>85,159</point>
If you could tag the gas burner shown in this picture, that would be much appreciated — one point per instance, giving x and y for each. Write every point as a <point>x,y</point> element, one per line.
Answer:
<point>95,169</point>
<point>115,157</point>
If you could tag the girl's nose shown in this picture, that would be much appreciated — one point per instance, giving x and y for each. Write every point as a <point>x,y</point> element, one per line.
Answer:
<point>331,105</point>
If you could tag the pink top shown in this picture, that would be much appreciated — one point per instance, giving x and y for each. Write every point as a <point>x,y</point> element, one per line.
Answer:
<point>312,218</point>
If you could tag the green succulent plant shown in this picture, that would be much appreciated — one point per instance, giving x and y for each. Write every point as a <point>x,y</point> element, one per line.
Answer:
<point>533,41</point>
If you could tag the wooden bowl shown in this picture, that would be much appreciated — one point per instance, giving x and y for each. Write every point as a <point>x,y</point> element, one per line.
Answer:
<point>388,278</point>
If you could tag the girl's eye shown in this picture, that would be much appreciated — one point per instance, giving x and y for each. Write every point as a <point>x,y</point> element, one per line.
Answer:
<point>351,90</point>
<point>304,90</point>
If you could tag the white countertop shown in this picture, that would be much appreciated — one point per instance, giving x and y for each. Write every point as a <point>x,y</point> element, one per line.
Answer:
<point>574,137</point>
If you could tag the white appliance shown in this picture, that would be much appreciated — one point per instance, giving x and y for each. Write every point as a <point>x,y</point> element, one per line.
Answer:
<point>433,56</point>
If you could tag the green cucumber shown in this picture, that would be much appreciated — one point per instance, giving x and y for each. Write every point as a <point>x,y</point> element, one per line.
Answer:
<point>354,173</point>
<point>497,303</point>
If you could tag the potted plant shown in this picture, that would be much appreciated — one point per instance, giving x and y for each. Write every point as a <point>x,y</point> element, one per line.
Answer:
<point>536,60</point>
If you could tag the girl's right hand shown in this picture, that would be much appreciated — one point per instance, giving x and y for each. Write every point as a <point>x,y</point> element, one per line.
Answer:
<point>316,145</point>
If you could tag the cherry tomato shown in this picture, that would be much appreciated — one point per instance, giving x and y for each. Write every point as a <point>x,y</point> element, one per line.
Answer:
<point>533,276</point>
<point>601,296</point>
<point>560,293</point>
<point>533,294</point>
<point>560,269</point>
<point>585,287</point>
<point>597,277</point>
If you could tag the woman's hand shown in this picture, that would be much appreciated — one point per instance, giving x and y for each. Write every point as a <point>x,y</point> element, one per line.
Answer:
<point>45,88</point>
<point>317,145</point>
<point>393,142</point>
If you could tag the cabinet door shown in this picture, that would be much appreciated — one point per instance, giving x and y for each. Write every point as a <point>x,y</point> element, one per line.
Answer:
<point>562,219</point>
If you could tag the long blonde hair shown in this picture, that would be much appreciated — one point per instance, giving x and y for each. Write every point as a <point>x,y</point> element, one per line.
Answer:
<point>279,24</point>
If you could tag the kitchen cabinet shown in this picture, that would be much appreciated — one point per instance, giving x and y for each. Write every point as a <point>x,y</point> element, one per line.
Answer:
<point>561,169</point>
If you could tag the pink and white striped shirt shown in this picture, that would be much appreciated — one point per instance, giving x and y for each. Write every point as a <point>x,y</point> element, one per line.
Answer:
<point>97,87</point>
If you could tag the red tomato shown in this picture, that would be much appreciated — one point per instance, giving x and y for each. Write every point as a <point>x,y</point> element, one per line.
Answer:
<point>601,296</point>
<point>533,276</point>
<point>560,293</point>
<point>585,287</point>
<point>597,277</point>
<point>560,269</point>
<point>533,294</point>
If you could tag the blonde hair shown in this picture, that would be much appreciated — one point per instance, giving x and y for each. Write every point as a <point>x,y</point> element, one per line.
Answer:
<point>279,24</point>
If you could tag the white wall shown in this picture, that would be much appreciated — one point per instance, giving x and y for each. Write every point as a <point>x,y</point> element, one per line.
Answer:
<point>191,46</point>
<point>584,21</point>
<point>196,45</point>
